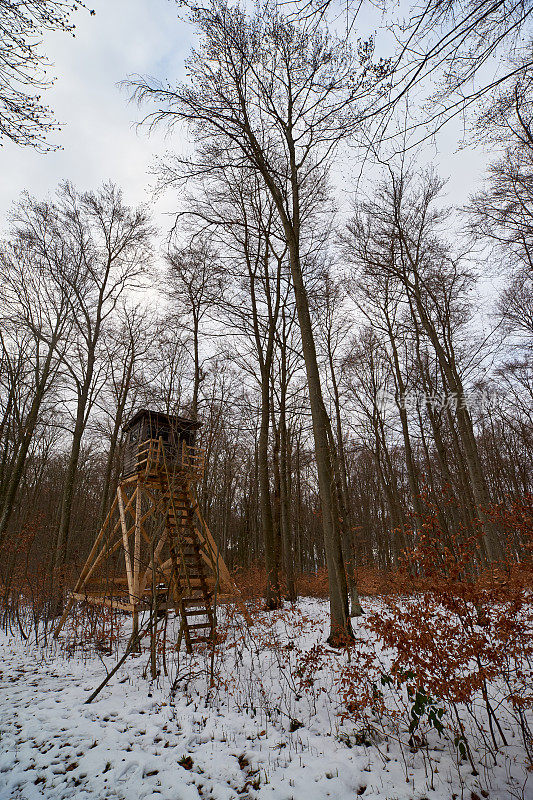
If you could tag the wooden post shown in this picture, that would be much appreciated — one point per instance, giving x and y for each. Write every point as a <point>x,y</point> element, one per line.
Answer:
<point>126,544</point>
<point>89,568</point>
<point>156,559</point>
<point>136,558</point>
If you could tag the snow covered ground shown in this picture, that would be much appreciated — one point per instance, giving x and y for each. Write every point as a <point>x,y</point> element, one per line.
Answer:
<point>257,735</point>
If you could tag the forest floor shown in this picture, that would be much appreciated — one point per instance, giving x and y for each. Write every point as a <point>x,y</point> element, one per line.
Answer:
<point>271,727</point>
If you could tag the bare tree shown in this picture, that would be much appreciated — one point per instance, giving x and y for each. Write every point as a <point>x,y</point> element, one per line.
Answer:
<point>277,98</point>
<point>36,301</point>
<point>193,276</point>
<point>106,246</point>
<point>397,234</point>
<point>335,326</point>
<point>289,364</point>
<point>369,379</point>
<point>449,57</point>
<point>126,346</point>
<point>501,214</point>
<point>165,376</point>
<point>380,300</point>
<point>239,215</point>
<point>258,319</point>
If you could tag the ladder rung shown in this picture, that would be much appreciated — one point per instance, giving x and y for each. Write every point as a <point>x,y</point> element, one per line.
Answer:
<point>196,601</point>
<point>200,625</point>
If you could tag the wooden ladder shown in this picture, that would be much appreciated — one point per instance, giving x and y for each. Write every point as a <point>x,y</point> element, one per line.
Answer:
<point>192,598</point>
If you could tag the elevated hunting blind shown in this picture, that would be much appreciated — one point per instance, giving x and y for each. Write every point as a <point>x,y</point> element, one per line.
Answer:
<point>146,426</point>
<point>155,551</point>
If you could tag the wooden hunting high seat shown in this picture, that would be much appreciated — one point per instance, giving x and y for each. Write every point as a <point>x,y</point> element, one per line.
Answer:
<point>155,550</point>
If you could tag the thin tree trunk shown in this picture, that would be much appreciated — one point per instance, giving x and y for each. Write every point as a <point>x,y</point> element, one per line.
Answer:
<point>344,505</point>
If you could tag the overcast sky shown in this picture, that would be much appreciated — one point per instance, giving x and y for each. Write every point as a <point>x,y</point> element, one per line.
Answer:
<point>99,139</point>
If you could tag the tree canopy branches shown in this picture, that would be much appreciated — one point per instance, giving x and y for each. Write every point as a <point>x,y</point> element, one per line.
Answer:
<point>463,49</point>
<point>24,118</point>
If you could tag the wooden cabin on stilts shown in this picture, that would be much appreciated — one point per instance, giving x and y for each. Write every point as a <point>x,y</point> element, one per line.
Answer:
<point>155,551</point>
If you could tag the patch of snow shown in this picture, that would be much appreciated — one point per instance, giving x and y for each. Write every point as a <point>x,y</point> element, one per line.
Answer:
<point>236,745</point>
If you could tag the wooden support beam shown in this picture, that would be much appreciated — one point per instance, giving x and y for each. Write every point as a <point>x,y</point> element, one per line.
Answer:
<point>125,542</point>
<point>81,580</point>
<point>110,550</point>
<point>107,551</point>
<point>206,537</point>
<point>157,557</point>
<point>92,561</point>
<point>137,545</point>
<point>166,491</point>
<point>106,601</point>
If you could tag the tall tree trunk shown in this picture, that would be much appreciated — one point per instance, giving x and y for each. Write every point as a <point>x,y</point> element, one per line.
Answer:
<point>273,592</point>
<point>340,626</point>
<point>197,369</point>
<point>60,555</point>
<point>343,498</point>
<point>285,510</point>
<point>61,548</point>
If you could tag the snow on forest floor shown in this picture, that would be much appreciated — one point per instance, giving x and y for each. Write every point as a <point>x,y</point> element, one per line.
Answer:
<point>257,736</point>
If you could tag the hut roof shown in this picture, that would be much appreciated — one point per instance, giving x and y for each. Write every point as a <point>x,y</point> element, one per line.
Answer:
<point>173,421</point>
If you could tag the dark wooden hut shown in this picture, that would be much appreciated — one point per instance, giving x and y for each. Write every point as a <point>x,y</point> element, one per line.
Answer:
<point>146,426</point>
